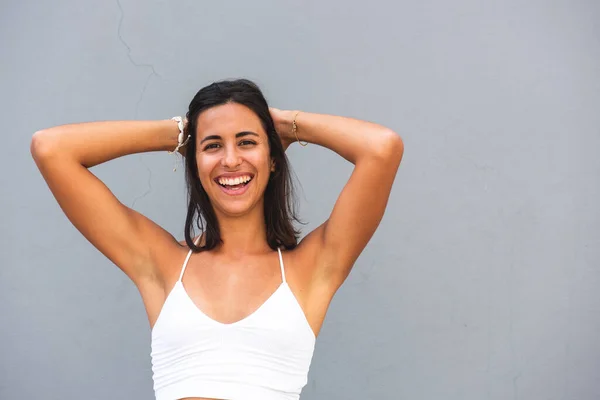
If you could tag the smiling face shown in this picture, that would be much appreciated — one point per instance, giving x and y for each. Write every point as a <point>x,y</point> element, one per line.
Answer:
<point>232,154</point>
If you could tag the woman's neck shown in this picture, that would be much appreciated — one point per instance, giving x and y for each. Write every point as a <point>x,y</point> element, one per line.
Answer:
<point>246,235</point>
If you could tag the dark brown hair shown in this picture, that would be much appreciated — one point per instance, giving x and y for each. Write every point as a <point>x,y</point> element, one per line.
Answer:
<point>279,194</point>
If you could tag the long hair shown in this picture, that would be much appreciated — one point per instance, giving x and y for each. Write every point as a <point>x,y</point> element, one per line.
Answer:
<point>279,204</point>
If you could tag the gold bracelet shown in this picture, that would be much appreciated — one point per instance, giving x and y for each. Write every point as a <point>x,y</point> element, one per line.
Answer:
<point>295,129</point>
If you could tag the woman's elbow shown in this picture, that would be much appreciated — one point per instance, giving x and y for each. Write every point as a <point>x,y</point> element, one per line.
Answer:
<point>41,145</point>
<point>391,145</point>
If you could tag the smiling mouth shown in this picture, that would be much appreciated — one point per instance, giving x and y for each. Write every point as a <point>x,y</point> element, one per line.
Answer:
<point>234,187</point>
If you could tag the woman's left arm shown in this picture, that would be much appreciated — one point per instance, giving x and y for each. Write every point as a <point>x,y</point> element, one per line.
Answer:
<point>376,153</point>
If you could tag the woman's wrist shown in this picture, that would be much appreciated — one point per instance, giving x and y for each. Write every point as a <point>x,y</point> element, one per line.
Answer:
<point>287,122</point>
<point>282,119</point>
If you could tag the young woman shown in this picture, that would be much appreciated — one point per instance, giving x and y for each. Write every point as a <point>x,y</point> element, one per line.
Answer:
<point>235,311</point>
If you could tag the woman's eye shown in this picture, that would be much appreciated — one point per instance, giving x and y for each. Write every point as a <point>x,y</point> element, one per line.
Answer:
<point>211,146</point>
<point>217,145</point>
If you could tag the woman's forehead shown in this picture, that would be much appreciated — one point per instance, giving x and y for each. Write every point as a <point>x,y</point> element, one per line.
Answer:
<point>228,119</point>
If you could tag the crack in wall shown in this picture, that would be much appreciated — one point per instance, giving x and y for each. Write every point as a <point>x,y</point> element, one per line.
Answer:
<point>141,97</point>
<point>133,62</point>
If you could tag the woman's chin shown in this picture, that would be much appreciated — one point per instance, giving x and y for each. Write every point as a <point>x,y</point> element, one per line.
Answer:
<point>235,207</point>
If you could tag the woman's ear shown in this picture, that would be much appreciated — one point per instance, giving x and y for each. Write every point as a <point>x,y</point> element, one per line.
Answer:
<point>272,165</point>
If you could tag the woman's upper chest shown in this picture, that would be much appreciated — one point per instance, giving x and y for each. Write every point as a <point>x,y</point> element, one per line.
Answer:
<point>229,290</point>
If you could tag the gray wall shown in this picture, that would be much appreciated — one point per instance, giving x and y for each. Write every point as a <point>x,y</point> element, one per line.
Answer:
<point>482,281</point>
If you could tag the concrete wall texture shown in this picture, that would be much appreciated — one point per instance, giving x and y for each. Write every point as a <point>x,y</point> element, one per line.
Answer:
<point>483,279</point>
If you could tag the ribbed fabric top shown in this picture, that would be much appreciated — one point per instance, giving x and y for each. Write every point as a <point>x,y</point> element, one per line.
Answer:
<point>265,356</point>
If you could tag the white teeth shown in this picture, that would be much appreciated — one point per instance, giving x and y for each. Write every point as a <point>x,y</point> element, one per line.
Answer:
<point>235,181</point>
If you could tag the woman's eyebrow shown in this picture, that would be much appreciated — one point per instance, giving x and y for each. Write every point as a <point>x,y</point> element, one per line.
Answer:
<point>237,135</point>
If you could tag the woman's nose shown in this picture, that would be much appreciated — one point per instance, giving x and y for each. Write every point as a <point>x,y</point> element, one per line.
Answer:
<point>231,157</point>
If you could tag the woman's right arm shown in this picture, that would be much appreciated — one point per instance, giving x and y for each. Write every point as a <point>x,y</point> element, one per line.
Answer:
<point>63,155</point>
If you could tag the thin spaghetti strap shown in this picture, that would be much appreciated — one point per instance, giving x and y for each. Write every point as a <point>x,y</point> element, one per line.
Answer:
<point>187,259</point>
<point>281,266</point>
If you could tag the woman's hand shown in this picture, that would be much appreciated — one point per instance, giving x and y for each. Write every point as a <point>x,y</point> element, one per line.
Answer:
<point>283,125</point>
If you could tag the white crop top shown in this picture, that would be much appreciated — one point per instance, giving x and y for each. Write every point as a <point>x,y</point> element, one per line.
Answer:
<point>264,356</point>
